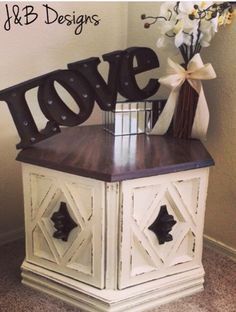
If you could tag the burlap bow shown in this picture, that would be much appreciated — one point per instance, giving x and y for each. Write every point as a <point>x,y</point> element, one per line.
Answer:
<point>176,75</point>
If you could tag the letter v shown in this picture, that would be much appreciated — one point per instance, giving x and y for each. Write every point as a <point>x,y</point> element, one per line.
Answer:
<point>105,93</point>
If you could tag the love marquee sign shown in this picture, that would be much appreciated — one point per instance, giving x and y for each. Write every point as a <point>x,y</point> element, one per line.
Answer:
<point>86,85</point>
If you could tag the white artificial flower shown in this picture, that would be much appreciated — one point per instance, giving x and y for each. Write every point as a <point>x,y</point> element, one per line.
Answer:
<point>178,31</point>
<point>208,30</point>
<point>185,23</point>
<point>179,39</point>
<point>166,27</point>
<point>165,9</point>
<point>185,8</point>
<point>189,27</point>
<point>187,39</point>
<point>214,23</point>
<point>165,42</point>
<point>161,42</point>
<point>206,35</point>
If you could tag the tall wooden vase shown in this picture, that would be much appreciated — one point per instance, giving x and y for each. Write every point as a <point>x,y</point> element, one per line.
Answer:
<point>185,111</point>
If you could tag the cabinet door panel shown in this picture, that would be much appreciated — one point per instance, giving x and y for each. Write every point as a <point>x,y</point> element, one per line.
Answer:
<point>78,205</point>
<point>161,226</point>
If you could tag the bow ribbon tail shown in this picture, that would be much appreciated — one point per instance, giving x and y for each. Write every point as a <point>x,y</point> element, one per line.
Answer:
<point>201,119</point>
<point>164,120</point>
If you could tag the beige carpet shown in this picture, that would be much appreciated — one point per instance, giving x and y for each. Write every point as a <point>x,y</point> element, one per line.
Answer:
<point>219,294</point>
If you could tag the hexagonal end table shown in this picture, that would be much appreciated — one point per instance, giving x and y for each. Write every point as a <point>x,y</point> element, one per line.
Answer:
<point>114,223</point>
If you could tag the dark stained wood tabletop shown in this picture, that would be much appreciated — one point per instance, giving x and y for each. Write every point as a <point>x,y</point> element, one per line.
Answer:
<point>90,151</point>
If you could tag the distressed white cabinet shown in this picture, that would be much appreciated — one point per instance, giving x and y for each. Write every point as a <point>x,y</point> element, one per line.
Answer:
<point>81,256</point>
<point>142,257</point>
<point>114,223</point>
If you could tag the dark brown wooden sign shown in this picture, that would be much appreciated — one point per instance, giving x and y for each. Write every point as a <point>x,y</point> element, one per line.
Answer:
<point>86,85</point>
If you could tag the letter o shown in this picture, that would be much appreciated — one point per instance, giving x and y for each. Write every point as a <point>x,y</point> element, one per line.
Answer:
<point>52,105</point>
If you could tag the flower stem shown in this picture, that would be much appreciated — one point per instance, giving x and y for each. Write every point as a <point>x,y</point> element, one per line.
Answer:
<point>197,45</point>
<point>184,53</point>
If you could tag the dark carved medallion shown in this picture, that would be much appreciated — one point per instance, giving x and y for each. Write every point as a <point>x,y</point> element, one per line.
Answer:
<point>63,223</point>
<point>163,225</point>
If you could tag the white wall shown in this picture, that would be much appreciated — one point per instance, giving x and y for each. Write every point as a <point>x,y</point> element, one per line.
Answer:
<point>221,95</point>
<point>36,49</point>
